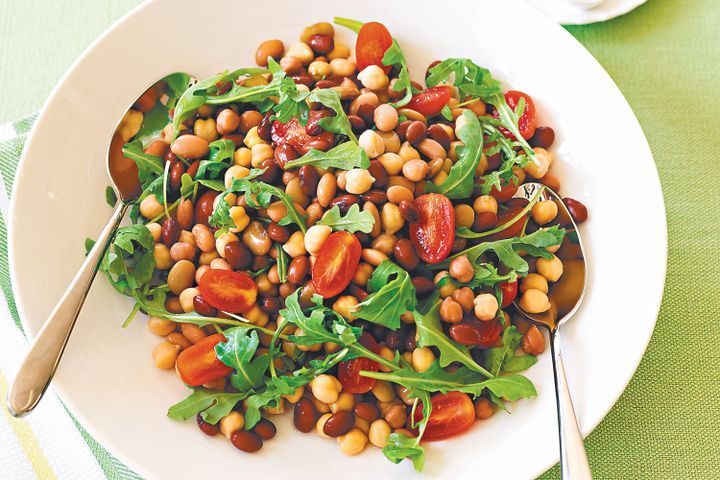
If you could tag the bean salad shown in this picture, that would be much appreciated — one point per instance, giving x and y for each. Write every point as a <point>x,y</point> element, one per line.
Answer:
<point>322,234</point>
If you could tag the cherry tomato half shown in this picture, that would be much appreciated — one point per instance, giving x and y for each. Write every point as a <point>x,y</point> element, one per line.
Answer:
<point>295,135</point>
<point>336,264</point>
<point>526,124</point>
<point>452,413</point>
<point>372,42</point>
<point>198,363</point>
<point>509,293</point>
<point>233,292</point>
<point>349,372</point>
<point>512,230</point>
<point>430,101</point>
<point>434,233</point>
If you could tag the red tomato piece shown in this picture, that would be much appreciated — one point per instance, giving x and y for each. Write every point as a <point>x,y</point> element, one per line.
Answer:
<point>489,333</point>
<point>434,233</point>
<point>372,42</point>
<point>527,122</point>
<point>336,264</point>
<point>349,372</point>
<point>431,101</point>
<point>291,133</point>
<point>512,230</point>
<point>505,192</point>
<point>198,363</point>
<point>233,292</point>
<point>452,413</point>
<point>509,293</point>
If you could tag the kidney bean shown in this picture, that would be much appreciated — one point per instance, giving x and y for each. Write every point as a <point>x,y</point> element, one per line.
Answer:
<point>260,262</point>
<point>321,44</point>
<point>470,332</point>
<point>170,231</point>
<point>193,169</point>
<point>339,424</point>
<point>577,210</point>
<point>326,83</point>
<point>494,161</point>
<point>278,232</point>
<point>405,254</point>
<point>356,122</point>
<point>283,154</point>
<point>379,173</point>
<point>203,307</point>
<point>265,127</point>
<point>313,127</point>
<point>440,135</point>
<point>304,79</point>
<point>410,342</point>
<point>366,111</point>
<point>394,339</point>
<point>318,143</point>
<point>484,221</point>
<point>401,129</point>
<point>270,305</point>
<point>423,285</point>
<point>305,415</point>
<point>204,207</point>
<point>309,179</point>
<point>207,428</point>
<point>246,441</point>
<point>271,170</point>
<point>238,255</point>
<point>344,202</point>
<point>269,48</point>
<point>298,269</point>
<point>415,132</point>
<point>367,411</point>
<point>377,197</point>
<point>285,289</point>
<point>544,137</point>
<point>177,168</point>
<point>265,429</point>
<point>409,211</point>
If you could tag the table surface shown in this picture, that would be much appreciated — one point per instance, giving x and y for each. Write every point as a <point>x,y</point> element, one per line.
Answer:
<point>665,57</point>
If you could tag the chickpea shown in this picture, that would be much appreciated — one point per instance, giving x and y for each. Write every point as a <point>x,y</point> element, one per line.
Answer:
<point>534,301</point>
<point>155,230</point>
<point>227,121</point>
<point>385,117</point>
<point>231,423</point>
<point>416,170</point>
<point>461,269</point>
<point>485,203</point>
<point>533,341</point>
<point>161,252</point>
<point>371,142</point>
<point>240,218</point>
<point>544,212</point>
<point>552,268</point>
<point>391,141</point>
<point>392,163</point>
<point>235,172</point>
<point>340,51</point>
<point>260,153</point>
<point>422,359</point>
<point>296,396</point>
<point>383,391</point>
<point>165,354</point>
<point>206,129</point>
<point>486,306</point>
<point>256,316</point>
<point>465,297</point>
<point>448,288</point>
<point>242,157</point>
<point>346,306</point>
<point>130,125</point>
<point>186,299</point>
<point>301,51</point>
<point>295,245</point>
<point>150,207</point>
<point>315,238</point>
<point>407,152</point>
<point>160,327</point>
<point>373,77</point>
<point>391,217</point>
<point>541,165</point>
<point>252,138</point>
<point>385,243</point>
<point>256,238</point>
<point>342,67</point>
<point>320,425</point>
<point>269,48</point>
<point>326,388</point>
<point>307,348</point>
<point>362,274</point>
<point>319,70</point>
<point>358,181</point>
<point>397,193</point>
<point>451,311</point>
<point>464,215</point>
<point>483,408</point>
<point>536,281</point>
<point>344,403</point>
<point>352,442</point>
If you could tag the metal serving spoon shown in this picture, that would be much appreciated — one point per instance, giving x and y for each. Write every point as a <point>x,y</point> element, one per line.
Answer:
<point>565,297</point>
<point>41,361</point>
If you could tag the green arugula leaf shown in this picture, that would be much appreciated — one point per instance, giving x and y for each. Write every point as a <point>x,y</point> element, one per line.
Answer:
<point>89,244</point>
<point>129,262</point>
<point>461,179</point>
<point>258,94</point>
<point>177,83</point>
<point>153,124</point>
<point>149,166</point>
<point>388,299</point>
<point>210,404</point>
<point>291,101</point>
<point>339,123</point>
<point>110,196</point>
<point>446,112</point>
<point>486,275</point>
<point>353,221</point>
<point>431,334</point>
<point>399,447</point>
<point>394,56</point>
<point>323,324</point>
<point>503,359</point>
<point>282,262</point>
<point>239,353</point>
<point>346,156</point>
<point>220,152</point>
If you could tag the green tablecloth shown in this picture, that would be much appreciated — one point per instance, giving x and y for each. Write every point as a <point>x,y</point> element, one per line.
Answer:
<point>665,57</point>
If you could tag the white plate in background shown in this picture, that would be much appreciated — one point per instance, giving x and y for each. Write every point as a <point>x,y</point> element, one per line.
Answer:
<point>567,12</point>
<point>107,378</point>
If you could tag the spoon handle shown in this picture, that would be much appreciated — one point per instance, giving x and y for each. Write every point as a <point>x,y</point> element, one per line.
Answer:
<point>41,361</point>
<point>573,459</point>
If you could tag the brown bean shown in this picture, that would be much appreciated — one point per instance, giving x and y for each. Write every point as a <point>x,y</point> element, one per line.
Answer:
<point>181,276</point>
<point>303,79</point>
<point>177,168</point>
<point>190,146</point>
<point>264,129</point>
<point>415,132</point>
<point>298,269</point>
<point>227,121</point>
<point>317,143</point>
<point>484,221</point>
<point>286,289</point>
<point>438,133</point>
<point>328,82</point>
<point>204,207</point>
<point>544,137</point>
<point>451,311</point>
<point>434,166</point>
<point>265,429</point>
<point>379,173</point>
<point>423,285</point>
<point>401,129</point>
<point>278,232</point>
<point>207,428</point>
<point>309,179</point>
<point>321,44</point>
<point>312,127</point>
<point>366,111</point>
<point>344,202</point>
<point>405,254</point>
<point>339,424</point>
<point>366,411</point>
<point>305,415</point>
<point>193,169</point>
<point>283,154</point>
<point>409,211</point>
<point>203,307</point>
<point>376,197</point>
<point>270,305</point>
<point>256,238</point>
<point>356,122</point>
<point>271,170</point>
<point>466,333</point>
<point>290,64</point>
<point>269,48</point>
<point>398,193</point>
<point>577,210</point>
<point>170,231</point>
<point>246,441</point>
<point>184,213</point>
<point>237,255</point>
<point>182,251</point>
<point>179,339</point>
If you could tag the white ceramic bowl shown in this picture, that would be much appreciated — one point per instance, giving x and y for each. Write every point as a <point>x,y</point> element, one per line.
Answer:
<point>572,12</point>
<point>107,378</point>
